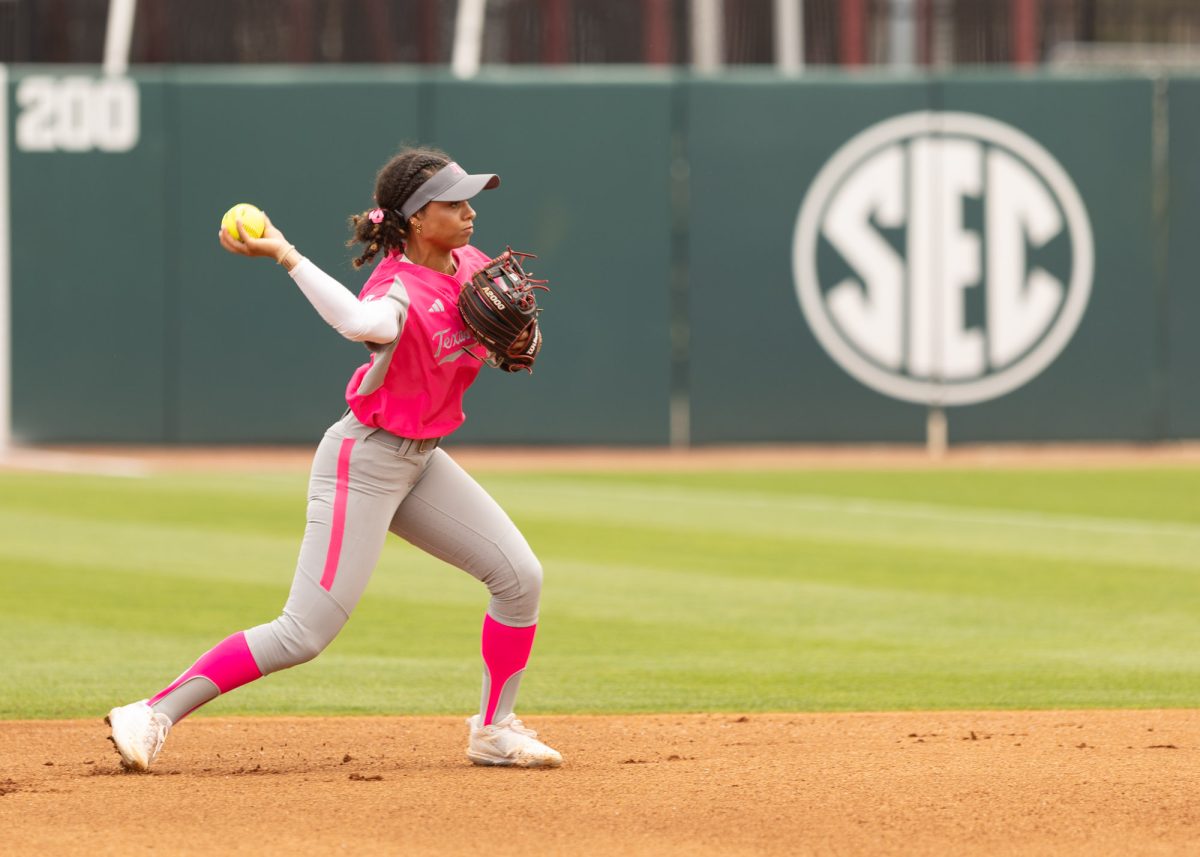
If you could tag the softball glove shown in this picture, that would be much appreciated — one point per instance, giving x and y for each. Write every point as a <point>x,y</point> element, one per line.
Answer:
<point>499,306</point>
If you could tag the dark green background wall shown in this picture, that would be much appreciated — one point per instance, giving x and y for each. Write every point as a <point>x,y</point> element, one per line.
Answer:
<point>662,209</point>
<point>771,380</point>
<point>1178,302</point>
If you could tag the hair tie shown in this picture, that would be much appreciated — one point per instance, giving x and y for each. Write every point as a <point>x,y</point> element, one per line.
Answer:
<point>375,215</point>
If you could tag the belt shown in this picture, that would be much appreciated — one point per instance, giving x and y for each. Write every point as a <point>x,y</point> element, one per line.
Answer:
<point>405,445</point>
<point>399,443</point>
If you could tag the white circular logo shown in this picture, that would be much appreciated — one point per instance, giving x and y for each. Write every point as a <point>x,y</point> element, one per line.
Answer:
<point>943,258</point>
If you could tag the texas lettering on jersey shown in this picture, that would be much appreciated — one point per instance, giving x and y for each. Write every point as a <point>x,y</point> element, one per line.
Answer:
<point>448,344</point>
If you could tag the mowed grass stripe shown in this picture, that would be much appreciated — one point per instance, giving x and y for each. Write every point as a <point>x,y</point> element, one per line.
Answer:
<point>1165,492</point>
<point>857,521</point>
<point>675,593</point>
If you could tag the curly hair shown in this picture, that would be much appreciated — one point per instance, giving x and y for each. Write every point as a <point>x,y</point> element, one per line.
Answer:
<point>396,181</point>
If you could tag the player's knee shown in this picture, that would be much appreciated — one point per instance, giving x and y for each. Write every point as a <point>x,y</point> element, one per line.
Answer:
<point>516,594</point>
<point>296,642</point>
<point>529,572</point>
<point>306,649</point>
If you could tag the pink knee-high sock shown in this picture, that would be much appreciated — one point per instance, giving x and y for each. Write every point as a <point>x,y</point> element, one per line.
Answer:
<point>228,665</point>
<point>505,653</point>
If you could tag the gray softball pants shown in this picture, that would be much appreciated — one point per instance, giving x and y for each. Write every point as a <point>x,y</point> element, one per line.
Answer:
<point>366,482</point>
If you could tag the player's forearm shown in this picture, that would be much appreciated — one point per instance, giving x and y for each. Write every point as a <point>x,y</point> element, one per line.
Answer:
<point>374,321</point>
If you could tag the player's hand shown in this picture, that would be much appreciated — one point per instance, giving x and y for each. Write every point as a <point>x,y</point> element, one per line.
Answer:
<point>270,245</point>
<point>522,341</point>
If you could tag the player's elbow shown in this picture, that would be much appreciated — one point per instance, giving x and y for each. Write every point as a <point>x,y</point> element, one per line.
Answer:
<point>377,331</point>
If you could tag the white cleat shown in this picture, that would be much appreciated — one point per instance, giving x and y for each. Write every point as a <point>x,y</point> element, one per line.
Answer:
<point>509,742</point>
<point>138,733</point>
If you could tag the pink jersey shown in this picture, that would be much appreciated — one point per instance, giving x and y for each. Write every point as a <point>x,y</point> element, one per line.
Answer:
<point>414,385</point>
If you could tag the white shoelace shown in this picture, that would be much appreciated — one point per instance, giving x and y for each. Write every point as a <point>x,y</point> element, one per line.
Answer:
<point>520,728</point>
<point>160,735</point>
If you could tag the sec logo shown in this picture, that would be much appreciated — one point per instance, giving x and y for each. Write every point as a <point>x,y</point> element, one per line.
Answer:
<point>943,258</point>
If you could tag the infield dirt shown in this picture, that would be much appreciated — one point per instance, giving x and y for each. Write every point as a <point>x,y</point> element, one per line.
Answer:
<point>992,783</point>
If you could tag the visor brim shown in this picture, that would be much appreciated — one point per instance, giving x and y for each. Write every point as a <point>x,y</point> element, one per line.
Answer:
<point>467,187</point>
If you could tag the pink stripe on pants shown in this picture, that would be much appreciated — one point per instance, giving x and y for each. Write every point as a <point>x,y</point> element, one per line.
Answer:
<point>337,527</point>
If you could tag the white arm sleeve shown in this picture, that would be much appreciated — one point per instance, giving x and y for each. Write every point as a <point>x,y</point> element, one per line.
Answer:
<point>373,321</point>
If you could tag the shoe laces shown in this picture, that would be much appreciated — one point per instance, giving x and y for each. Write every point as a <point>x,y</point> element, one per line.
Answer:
<point>158,734</point>
<point>517,726</point>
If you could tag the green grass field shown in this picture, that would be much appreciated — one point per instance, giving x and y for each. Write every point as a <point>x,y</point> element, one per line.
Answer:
<point>713,591</point>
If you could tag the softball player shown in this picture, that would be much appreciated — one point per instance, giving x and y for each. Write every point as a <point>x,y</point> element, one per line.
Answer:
<point>379,468</point>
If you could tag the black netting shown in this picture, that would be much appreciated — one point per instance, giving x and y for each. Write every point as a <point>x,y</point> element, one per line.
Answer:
<point>926,32</point>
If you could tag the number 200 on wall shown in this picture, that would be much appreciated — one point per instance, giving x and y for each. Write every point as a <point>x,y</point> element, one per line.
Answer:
<point>77,114</point>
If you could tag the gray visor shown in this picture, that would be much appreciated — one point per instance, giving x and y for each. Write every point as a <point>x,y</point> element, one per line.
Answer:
<point>449,184</point>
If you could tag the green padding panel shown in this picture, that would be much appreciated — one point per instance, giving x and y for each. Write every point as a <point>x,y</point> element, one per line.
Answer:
<point>1105,384</point>
<point>756,371</point>
<point>254,361</point>
<point>131,324</point>
<point>1182,309</point>
<point>585,172</point>
<point>89,276</point>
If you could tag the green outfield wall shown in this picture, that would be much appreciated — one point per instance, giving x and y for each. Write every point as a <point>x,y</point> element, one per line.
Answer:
<point>1178,304</point>
<point>733,259</point>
